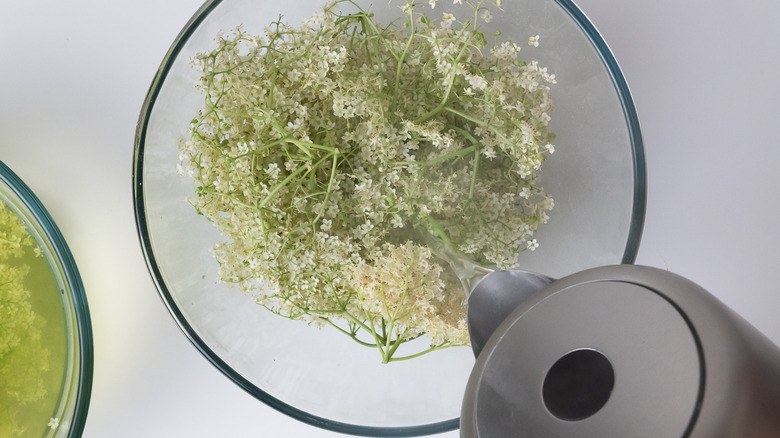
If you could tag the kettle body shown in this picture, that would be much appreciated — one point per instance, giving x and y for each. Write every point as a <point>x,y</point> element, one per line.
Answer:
<point>624,350</point>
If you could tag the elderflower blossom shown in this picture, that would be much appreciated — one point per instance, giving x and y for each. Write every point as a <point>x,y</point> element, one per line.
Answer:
<point>24,357</point>
<point>327,167</point>
<point>447,20</point>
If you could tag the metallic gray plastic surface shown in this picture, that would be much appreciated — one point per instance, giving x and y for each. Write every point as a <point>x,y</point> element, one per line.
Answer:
<point>684,364</point>
<point>495,297</point>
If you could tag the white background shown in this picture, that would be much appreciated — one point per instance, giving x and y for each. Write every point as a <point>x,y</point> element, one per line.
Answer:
<point>73,75</point>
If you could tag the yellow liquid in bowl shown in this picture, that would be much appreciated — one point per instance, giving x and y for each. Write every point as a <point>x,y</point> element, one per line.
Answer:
<point>34,372</point>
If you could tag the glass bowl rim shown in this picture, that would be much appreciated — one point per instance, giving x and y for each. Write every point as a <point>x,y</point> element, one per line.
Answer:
<point>629,254</point>
<point>77,292</point>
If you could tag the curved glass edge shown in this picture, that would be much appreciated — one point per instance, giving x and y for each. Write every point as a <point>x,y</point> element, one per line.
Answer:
<point>78,295</point>
<point>634,132</point>
<point>629,254</point>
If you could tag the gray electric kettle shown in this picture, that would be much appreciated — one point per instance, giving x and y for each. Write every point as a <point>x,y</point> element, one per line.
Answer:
<point>623,351</point>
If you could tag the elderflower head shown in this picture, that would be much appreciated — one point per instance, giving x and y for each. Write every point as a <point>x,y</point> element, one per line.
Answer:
<point>328,188</point>
<point>24,358</point>
<point>447,20</point>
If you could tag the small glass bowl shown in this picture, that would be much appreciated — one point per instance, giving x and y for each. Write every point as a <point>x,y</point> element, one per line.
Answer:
<point>65,345</point>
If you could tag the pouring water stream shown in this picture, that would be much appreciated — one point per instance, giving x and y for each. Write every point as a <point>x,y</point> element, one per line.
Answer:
<point>491,294</point>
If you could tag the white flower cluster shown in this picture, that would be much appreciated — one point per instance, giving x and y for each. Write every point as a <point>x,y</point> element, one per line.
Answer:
<point>405,289</point>
<point>325,153</point>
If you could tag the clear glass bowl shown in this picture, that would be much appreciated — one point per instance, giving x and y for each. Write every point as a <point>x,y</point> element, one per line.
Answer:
<point>60,361</point>
<point>596,176</point>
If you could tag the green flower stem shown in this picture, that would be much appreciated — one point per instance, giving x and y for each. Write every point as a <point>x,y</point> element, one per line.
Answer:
<point>438,230</point>
<point>344,314</point>
<point>386,351</point>
<point>478,122</point>
<point>327,191</point>
<point>466,116</point>
<point>349,333</point>
<point>279,186</point>
<point>333,153</point>
<point>287,138</point>
<point>440,159</point>
<point>304,145</point>
<point>400,339</point>
<point>400,64</point>
<point>380,340</point>
<point>475,168</point>
<point>367,25</point>
<point>445,98</point>
<point>412,356</point>
<point>229,196</point>
<point>474,171</point>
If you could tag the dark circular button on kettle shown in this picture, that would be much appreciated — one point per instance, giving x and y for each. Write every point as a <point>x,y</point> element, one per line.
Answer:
<point>578,385</point>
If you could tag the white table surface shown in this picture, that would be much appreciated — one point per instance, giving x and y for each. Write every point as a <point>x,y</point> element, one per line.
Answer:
<point>704,77</point>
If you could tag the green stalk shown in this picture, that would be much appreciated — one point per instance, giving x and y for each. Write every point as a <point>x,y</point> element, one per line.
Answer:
<point>440,159</point>
<point>398,342</point>
<point>279,186</point>
<point>306,144</point>
<point>438,230</point>
<point>451,81</point>
<point>400,63</point>
<point>479,122</point>
<point>330,187</point>
<point>350,334</point>
<point>434,348</point>
<point>474,171</point>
